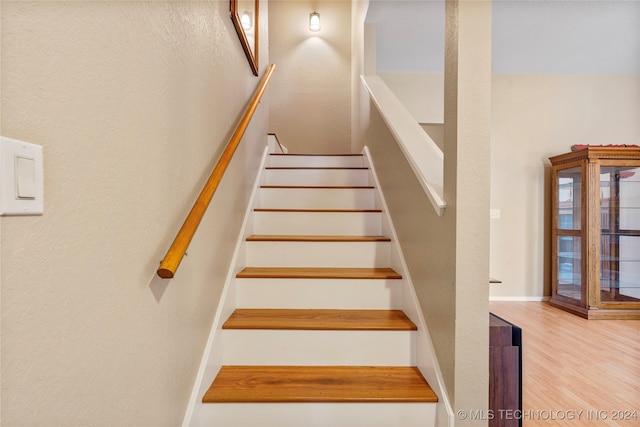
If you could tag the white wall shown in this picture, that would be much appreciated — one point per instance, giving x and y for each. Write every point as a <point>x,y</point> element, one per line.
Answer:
<point>563,73</point>
<point>566,37</point>
<point>362,61</point>
<point>447,256</point>
<point>410,53</point>
<point>529,36</point>
<point>535,117</point>
<point>421,93</point>
<point>311,92</point>
<point>410,35</point>
<point>132,102</point>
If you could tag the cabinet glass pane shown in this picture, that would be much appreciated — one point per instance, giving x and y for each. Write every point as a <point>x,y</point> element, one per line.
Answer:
<point>620,198</point>
<point>569,198</point>
<point>630,199</point>
<point>629,284</point>
<point>620,271</point>
<point>620,234</point>
<point>569,267</point>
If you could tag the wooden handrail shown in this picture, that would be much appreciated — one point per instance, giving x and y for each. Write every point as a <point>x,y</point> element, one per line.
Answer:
<point>178,248</point>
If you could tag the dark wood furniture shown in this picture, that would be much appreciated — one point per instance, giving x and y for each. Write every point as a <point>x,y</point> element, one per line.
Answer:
<point>595,232</point>
<point>505,373</point>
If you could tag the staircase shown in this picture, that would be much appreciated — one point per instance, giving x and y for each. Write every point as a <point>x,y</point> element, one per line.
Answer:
<point>318,336</point>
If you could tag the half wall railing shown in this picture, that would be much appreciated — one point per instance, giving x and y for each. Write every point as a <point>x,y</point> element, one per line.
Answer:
<point>423,154</point>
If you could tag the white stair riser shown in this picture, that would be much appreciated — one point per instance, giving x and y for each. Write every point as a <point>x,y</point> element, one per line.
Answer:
<point>319,293</point>
<point>318,223</point>
<point>293,160</point>
<point>318,348</point>
<point>317,198</point>
<point>316,177</point>
<point>318,254</point>
<point>319,415</point>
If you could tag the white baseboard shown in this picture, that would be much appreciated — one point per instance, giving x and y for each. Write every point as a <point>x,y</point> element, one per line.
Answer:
<point>520,299</point>
<point>212,356</point>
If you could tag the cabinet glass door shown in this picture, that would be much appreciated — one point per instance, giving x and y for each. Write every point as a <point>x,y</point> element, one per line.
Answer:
<point>620,234</point>
<point>569,243</point>
<point>569,199</point>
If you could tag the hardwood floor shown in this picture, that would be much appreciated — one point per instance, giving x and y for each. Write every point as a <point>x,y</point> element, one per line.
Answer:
<point>576,372</point>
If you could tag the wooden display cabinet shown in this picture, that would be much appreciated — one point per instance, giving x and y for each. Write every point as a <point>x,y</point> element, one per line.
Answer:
<point>595,234</point>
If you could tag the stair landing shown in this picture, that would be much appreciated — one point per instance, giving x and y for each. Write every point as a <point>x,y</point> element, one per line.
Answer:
<point>319,384</point>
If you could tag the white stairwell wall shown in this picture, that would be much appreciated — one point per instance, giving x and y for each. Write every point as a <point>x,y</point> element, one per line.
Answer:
<point>242,347</point>
<point>426,359</point>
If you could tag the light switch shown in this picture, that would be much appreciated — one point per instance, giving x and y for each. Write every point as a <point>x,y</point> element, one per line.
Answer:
<point>21,178</point>
<point>25,178</point>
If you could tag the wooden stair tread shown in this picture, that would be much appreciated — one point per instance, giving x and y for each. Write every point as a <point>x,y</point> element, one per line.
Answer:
<point>319,384</point>
<point>321,187</point>
<point>319,319</point>
<point>317,273</point>
<point>314,238</point>
<point>317,167</point>
<point>317,154</point>
<point>319,210</point>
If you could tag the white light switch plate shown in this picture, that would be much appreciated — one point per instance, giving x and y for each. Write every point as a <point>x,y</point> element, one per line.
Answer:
<point>21,178</point>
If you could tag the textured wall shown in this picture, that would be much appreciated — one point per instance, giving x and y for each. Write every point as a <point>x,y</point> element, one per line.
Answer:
<point>467,142</point>
<point>311,96</point>
<point>132,102</point>
<point>426,243</point>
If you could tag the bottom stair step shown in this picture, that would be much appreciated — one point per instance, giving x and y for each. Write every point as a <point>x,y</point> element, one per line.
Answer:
<point>375,384</point>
